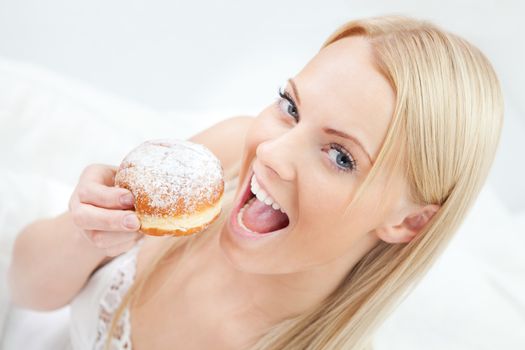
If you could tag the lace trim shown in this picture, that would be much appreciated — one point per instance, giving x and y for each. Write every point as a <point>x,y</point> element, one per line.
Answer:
<point>110,301</point>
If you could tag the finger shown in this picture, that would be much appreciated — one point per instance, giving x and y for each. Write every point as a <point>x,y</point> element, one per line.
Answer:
<point>73,202</point>
<point>100,173</point>
<point>89,217</point>
<point>108,239</point>
<point>105,196</point>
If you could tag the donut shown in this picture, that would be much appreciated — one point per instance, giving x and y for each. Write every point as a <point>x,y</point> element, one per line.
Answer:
<point>177,185</point>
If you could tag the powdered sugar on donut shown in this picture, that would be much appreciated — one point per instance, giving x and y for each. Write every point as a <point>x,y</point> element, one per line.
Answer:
<point>171,174</point>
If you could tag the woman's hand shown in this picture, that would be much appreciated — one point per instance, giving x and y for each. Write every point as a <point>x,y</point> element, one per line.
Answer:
<point>103,213</point>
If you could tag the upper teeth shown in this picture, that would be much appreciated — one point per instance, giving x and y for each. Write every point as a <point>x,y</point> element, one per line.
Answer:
<point>262,195</point>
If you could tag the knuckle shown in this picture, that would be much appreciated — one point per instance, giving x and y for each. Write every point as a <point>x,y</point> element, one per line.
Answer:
<point>89,234</point>
<point>110,222</point>
<point>83,192</point>
<point>71,205</point>
<point>89,169</point>
<point>110,197</point>
<point>78,217</point>
<point>99,239</point>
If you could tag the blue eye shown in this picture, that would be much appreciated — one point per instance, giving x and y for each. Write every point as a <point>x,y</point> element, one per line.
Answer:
<point>341,158</point>
<point>288,105</point>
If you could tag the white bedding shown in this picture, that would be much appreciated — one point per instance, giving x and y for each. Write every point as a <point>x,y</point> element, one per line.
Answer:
<point>51,127</point>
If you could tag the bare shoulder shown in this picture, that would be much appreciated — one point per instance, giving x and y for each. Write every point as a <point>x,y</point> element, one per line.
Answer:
<point>225,138</point>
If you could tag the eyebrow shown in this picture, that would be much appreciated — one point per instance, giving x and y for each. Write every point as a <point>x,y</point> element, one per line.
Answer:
<point>331,131</point>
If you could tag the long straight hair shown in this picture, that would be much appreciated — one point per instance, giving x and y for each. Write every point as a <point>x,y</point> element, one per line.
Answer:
<point>443,134</point>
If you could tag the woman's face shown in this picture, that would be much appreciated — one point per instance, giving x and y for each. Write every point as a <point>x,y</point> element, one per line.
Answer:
<point>312,171</point>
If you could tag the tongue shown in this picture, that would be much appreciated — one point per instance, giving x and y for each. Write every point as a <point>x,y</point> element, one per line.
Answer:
<point>262,218</point>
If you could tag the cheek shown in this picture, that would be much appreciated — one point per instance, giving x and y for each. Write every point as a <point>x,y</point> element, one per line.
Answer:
<point>325,237</point>
<point>324,229</point>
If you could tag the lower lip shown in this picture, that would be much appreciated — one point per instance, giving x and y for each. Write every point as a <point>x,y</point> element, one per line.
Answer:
<point>234,225</point>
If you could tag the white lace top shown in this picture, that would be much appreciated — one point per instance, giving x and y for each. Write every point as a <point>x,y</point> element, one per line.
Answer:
<point>93,308</point>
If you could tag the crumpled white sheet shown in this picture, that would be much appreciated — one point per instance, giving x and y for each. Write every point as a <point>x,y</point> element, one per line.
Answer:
<point>51,127</point>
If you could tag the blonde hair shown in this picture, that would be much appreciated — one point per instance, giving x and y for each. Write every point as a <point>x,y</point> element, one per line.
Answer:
<point>444,134</point>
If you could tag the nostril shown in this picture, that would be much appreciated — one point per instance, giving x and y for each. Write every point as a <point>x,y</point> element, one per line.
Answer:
<point>273,172</point>
<point>283,173</point>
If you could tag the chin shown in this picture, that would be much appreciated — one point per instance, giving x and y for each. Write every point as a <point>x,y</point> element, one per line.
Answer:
<point>270,259</point>
<point>240,258</point>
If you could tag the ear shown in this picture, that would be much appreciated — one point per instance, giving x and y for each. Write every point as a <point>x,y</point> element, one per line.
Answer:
<point>410,226</point>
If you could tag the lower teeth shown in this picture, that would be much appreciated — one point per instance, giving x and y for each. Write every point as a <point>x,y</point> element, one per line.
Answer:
<point>239,216</point>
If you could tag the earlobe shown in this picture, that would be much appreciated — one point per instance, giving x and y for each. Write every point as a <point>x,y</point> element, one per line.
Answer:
<point>394,234</point>
<point>411,226</point>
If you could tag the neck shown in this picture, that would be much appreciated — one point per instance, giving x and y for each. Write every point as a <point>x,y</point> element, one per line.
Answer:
<point>262,300</point>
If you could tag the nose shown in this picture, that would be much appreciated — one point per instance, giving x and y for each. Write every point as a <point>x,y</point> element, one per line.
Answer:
<point>279,157</point>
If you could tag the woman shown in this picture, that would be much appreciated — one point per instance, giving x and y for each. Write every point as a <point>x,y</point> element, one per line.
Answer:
<point>374,151</point>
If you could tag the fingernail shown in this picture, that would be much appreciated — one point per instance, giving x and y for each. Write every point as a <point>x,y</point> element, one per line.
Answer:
<point>127,199</point>
<point>131,221</point>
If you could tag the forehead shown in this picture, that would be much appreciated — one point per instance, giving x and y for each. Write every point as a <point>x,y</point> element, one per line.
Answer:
<point>341,88</point>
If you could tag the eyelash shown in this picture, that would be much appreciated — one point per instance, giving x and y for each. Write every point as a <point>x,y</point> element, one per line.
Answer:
<point>284,95</point>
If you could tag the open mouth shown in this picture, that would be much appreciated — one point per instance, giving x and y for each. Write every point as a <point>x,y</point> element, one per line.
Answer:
<point>257,213</point>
